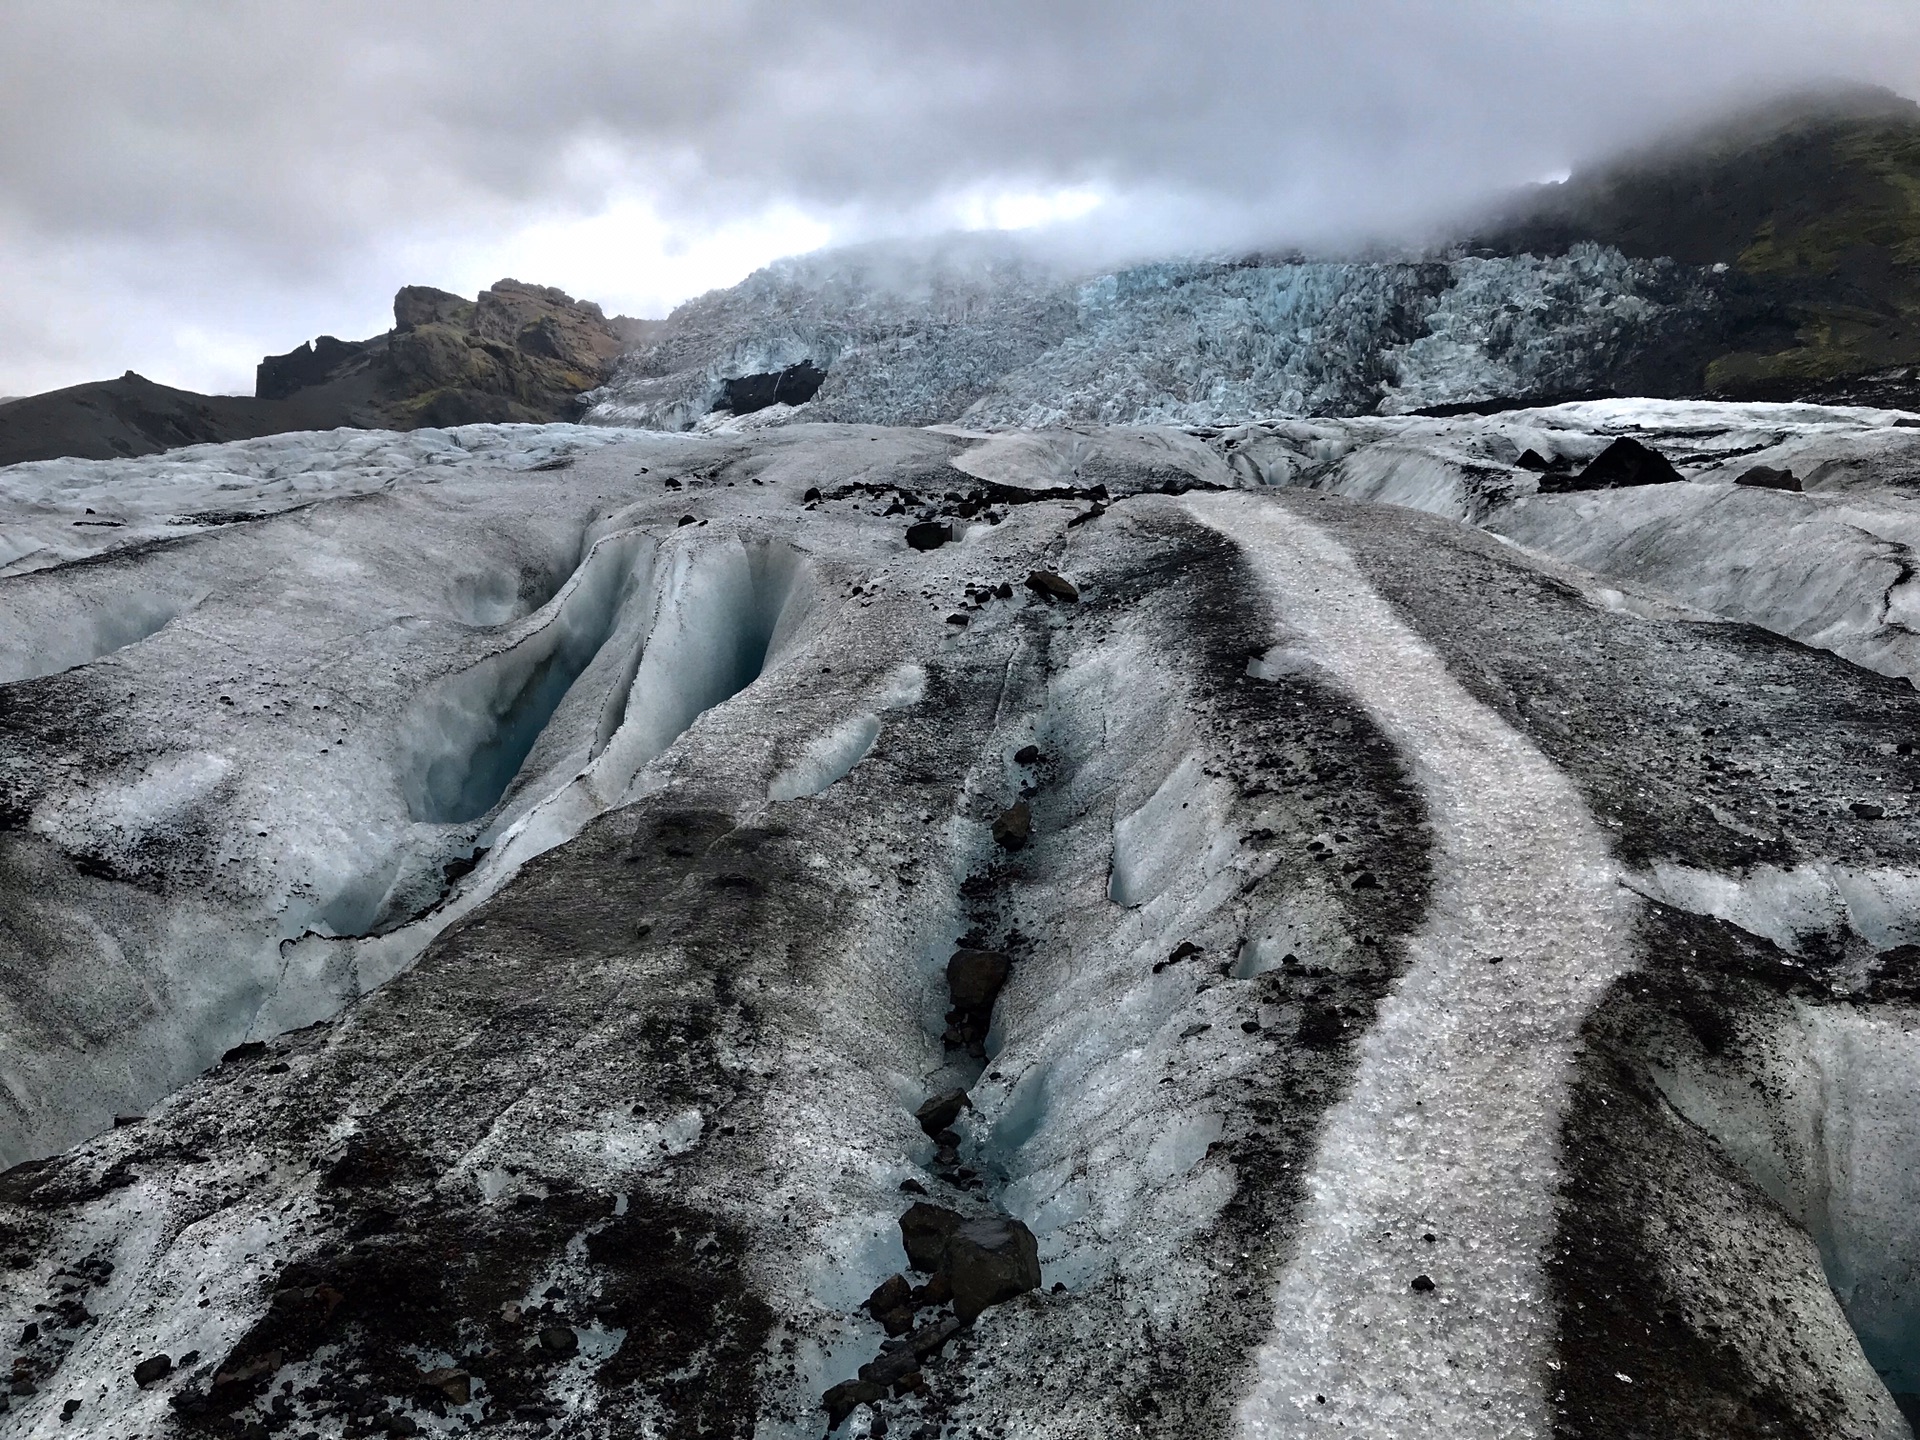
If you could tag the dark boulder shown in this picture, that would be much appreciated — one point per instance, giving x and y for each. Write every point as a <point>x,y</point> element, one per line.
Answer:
<point>929,534</point>
<point>990,1260</point>
<point>892,1305</point>
<point>1052,586</point>
<point>1762,477</point>
<point>940,1111</point>
<point>844,1398</point>
<point>1533,460</point>
<point>1014,827</point>
<point>924,1230</point>
<point>152,1369</point>
<point>1626,462</point>
<point>1027,755</point>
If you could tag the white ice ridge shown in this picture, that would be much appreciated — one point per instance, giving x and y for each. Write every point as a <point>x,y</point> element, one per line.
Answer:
<point>1452,1126</point>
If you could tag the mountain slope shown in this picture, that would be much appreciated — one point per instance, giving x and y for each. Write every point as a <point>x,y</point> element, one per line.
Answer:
<point>1813,202</point>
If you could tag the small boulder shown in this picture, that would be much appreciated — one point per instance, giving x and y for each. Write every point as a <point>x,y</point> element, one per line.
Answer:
<point>1624,463</point>
<point>559,1341</point>
<point>974,978</point>
<point>454,1384</point>
<point>848,1395</point>
<point>988,1261</point>
<point>1014,827</point>
<point>1764,477</point>
<point>924,1230</point>
<point>890,1368</point>
<point>1422,1284</point>
<point>929,534</point>
<point>892,1305</point>
<point>890,1294</point>
<point>930,1338</point>
<point>1534,460</point>
<point>940,1111</point>
<point>1052,586</point>
<point>1026,755</point>
<point>152,1370</point>
<point>1868,810</point>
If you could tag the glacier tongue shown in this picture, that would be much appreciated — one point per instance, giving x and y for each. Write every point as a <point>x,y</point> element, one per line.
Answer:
<point>605,809</point>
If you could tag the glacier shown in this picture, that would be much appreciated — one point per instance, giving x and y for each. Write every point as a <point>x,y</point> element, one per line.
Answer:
<point>973,331</point>
<point>484,913</point>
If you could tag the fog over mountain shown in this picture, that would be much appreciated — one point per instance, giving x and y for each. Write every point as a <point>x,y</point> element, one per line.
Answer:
<point>184,188</point>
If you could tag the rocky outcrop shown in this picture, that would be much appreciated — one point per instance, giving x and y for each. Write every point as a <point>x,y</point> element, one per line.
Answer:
<point>518,353</point>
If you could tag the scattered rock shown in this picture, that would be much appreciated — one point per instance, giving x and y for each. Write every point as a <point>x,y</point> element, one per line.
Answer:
<point>930,1338</point>
<point>1026,755</point>
<point>988,1261</point>
<point>1004,590</point>
<point>957,619</point>
<point>892,1305</point>
<point>813,493</point>
<point>1764,477</point>
<point>929,534</point>
<point>456,1385</point>
<point>1422,1284</point>
<point>939,1112</point>
<point>1626,462</point>
<point>152,1369</point>
<point>246,1050</point>
<point>1052,586</point>
<point>890,1368</point>
<point>559,1341</point>
<point>924,1230</point>
<point>936,1292</point>
<point>1015,825</point>
<point>1868,810</point>
<point>844,1398</point>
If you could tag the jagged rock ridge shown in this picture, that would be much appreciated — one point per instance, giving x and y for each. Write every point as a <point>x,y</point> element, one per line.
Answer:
<point>519,353</point>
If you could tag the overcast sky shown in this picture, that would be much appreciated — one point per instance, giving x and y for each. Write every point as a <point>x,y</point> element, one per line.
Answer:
<point>185,184</point>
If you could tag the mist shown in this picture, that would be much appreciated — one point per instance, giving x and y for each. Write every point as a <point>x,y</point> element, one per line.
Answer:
<point>185,186</point>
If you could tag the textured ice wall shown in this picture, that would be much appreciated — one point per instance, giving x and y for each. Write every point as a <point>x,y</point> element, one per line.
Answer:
<point>1009,342</point>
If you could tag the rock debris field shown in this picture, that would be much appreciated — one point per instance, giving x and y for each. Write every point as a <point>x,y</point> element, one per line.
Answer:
<point>1393,926</point>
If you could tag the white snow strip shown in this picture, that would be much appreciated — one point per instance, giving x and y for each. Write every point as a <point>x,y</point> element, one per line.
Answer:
<point>1452,1126</point>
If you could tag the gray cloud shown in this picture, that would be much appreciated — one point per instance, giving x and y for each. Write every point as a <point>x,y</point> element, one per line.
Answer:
<point>255,171</point>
